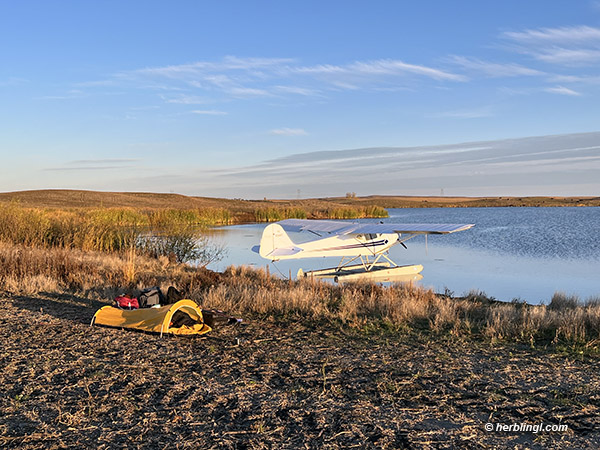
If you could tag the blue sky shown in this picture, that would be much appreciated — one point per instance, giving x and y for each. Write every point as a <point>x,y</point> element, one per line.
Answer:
<point>200,97</point>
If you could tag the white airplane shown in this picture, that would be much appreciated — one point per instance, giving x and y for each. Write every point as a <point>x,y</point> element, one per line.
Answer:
<point>350,241</point>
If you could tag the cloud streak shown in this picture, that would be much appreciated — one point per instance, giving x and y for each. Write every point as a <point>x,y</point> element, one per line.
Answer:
<point>244,78</point>
<point>469,168</point>
<point>233,78</point>
<point>288,132</point>
<point>560,35</point>
<point>95,164</point>
<point>209,112</point>
<point>494,70</point>
<point>561,90</point>
<point>561,46</point>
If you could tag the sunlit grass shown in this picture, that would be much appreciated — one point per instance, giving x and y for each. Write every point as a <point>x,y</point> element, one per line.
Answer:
<point>274,214</point>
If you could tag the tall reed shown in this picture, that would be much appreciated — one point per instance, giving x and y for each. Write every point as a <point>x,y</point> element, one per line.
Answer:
<point>274,214</point>
<point>110,229</point>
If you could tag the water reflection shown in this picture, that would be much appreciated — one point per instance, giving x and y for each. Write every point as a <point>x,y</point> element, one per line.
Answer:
<point>512,253</point>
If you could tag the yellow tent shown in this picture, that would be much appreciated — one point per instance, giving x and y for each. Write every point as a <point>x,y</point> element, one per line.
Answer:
<point>154,320</point>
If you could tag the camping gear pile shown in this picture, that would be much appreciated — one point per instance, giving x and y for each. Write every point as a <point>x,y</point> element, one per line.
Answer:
<point>152,311</point>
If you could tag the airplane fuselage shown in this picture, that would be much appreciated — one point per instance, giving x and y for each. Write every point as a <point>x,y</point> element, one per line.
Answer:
<point>345,246</point>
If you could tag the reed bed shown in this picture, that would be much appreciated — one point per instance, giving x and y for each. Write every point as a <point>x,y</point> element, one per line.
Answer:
<point>274,214</point>
<point>566,322</point>
<point>110,229</point>
<point>120,229</point>
<point>356,212</point>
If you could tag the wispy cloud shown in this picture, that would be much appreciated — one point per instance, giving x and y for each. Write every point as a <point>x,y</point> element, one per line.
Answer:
<point>186,99</point>
<point>95,164</point>
<point>104,161</point>
<point>560,35</point>
<point>288,132</point>
<point>568,56</point>
<point>381,67</point>
<point>239,78</point>
<point>375,70</point>
<point>82,168</point>
<point>12,81</point>
<point>241,92</point>
<point>568,159</point>
<point>561,46</point>
<point>209,112</point>
<point>562,91</point>
<point>296,90</point>
<point>70,95</point>
<point>492,69</point>
<point>580,79</point>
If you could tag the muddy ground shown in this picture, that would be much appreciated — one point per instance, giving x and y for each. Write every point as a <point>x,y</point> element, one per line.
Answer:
<point>270,385</point>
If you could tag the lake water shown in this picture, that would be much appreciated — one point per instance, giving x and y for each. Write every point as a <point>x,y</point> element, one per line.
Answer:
<point>511,253</point>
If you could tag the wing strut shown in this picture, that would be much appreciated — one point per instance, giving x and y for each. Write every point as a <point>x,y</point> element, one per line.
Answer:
<point>366,261</point>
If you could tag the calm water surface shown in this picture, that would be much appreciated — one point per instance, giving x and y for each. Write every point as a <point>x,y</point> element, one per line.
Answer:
<point>511,253</point>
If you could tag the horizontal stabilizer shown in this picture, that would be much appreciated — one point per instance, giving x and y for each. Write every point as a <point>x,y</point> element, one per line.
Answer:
<point>284,252</point>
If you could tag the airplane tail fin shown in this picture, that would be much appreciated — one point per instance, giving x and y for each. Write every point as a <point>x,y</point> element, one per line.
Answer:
<point>275,242</point>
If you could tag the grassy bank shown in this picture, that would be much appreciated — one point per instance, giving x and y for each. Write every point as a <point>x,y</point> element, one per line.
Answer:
<point>565,323</point>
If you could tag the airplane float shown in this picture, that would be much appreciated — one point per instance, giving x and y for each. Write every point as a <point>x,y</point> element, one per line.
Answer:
<point>364,242</point>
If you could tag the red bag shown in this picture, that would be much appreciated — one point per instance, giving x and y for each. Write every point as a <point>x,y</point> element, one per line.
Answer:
<point>127,302</point>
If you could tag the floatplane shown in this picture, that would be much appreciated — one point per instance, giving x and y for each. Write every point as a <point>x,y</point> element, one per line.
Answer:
<point>367,244</point>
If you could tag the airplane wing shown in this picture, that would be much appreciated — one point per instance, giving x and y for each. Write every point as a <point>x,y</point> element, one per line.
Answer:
<point>344,228</point>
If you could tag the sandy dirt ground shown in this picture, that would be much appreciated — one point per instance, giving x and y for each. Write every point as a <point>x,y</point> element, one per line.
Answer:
<point>264,384</point>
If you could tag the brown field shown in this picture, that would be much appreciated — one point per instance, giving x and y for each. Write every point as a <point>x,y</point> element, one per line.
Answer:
<point>274,384</point>
<point>473,202</point>
<point>312,366</point>
<point>242,210</point>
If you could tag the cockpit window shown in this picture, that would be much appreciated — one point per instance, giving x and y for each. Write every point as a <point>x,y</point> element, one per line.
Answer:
<point>366,237</point>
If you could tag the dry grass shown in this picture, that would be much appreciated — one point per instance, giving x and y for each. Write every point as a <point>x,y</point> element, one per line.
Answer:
<point>178,234</point>
<point>255,293</point>
<point>112,229</point>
